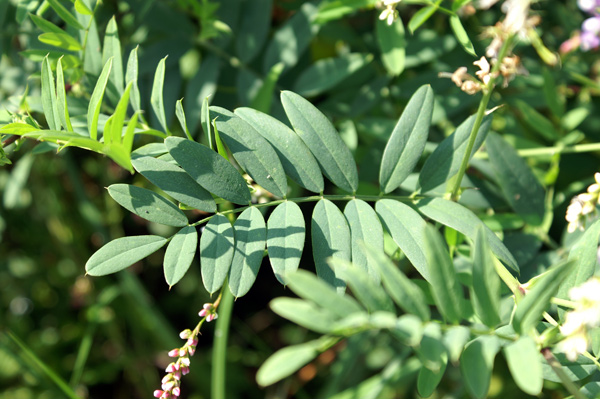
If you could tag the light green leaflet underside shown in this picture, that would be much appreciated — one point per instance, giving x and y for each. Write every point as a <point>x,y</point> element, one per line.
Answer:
<point>216,252</point>
<point>297,160</point>
<point>250,238</point>
<point>365,229</point>
<point>527,374</point>
<point>209,169</point>
<point>477,362</point>
<point>323,140</point>
<point>253,153</point>
<point>485,292</point>
<point>285,239</point>
<point>180,254</point>
<point>122,253</point>
<point>147,204</point>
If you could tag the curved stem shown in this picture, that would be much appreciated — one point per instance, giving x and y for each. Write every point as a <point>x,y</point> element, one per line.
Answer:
<point>219,355</point>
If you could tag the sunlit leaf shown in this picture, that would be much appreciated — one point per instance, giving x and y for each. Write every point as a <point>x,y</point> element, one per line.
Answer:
<point>156,97</point>
<point>523,358</point>
<point>49,102</point>
<point>61,40</point>
<point>365,229</point>
<point>180,254</point>
<point>304,313</point>
<point>216,252</point>
<point>486,283</point>
<point>65,14</point>
<point>392,44</point>
<point>477,363</point>
<point>96,100</point>
<point>285,239</point>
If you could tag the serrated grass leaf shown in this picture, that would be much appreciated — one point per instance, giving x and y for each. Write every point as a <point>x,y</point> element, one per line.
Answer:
<point>286,233</point>
<point>217,245</point>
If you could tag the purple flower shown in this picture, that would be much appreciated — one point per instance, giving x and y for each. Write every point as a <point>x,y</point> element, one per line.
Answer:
<point>588,5</point>
<point>591,25</point>
<point>589,41</point>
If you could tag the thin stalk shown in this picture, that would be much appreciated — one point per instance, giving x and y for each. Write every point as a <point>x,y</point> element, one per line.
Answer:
<point>566,381</point>
<point>549,151</point>
<point>511,282</point>
<point>479,118</point>
<point>83,353</point>
<point>219,354</point>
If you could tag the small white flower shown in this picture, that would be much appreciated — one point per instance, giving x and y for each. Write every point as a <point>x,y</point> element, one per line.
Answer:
<point>573,346</point>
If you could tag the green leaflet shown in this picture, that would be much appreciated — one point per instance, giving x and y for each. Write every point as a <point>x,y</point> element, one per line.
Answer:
<point>263,98</point>
<point>198,91</point>
<point>205,122</point>
<point>420,17</point>
<point>477,363</point>
<point>121,253</point>
<point>291,39</point>
<point>175,182</point>
<point>330,238</point>
<point>306,285</point>
<point>458,217</point>
<point>112,49</point>
<point>297,160</point>
<point>461,34</point>
<point>254,154</point>
<point>92,55</point>
<point>61,97</point>
<point>367,291</point>
<point>216,252</point>
<point>114,134</point>
<point>485,290</point>
<point>334,9</point>
<point>180,254</point>
<point>591,390</point>
<point>575,371</point>
<point>407,141</point>
<point>392,44</point>
<point>181,118</point>
<point>209,169</point>
<point>304,313</point>
<point>446,289</point>
<point>250,236</point>
<point>60,40</point>
<point>365,228</point>
<point>131,75</point>
<point>45,26</point>
<point>530,309</point>
<point>403,291</point>
<point>434,358</point>
<point>285,239</point>
<point>147,205</point>
<point>96,100</point>
<point>523,358</point>
<point>82,8</point>
<point>327,73</point>
<point>407,229</point>
<point>156,97</point>
<point>65,15</point>
<point>537,121</point>
<point>454,340</point>
<point>445,161</point>
<point>49,102</point>
<point>520,186</point>
<point>254,29</point>
<point>323,140</point>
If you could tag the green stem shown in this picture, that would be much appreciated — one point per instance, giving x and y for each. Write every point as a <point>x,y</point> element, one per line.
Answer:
<point>488,90</point>
<point>219,355</point>
<point>548,151</point>
<point>512,283</point>
<point>83,353</point>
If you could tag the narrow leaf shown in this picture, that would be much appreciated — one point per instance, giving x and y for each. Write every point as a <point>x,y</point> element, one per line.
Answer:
<point>330,238</point>
<point>61,97</point>
<point>131,75</point>
<point>156,97</point>
<point>65,15</point>
<point>49,102</point>
<point>96,100</point>
<point>477,363</point>
<point>82,8</point>
<point>287,361</point>
<point>486,283</point>
<point>407,141</point>
<point>216,252</point>
<point>250,236</point>
<point>147,205</point>
<point>209,169</point>
<point>285,239</point>
<point>122,253</point>
<point>296,159</point>
<point>254,29</point>
<point>61,40</point>
<point>127,142</point>
<point>455,339</point>
<point>181,118</point>
<point>304,313</point>
<point>420,17</point>
<point>45,26</point>
<point>392,44</point>
<point>323,140</point>
<point>180,254</point>
<point>524,364</point>
<point>461,34</point>
<point>264,96</point>
<point>115,133</point>
<point>112,49</point>
<point>205,120</point>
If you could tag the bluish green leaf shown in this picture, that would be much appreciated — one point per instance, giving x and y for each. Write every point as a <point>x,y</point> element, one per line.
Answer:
<point>486,283</point>
<point>251,151</point>
<point>175,182</point>
<point>477,363</point>
<point>92,55</point>
<point>216,252</point>
<point>209,169</point>
<point>454,340</point>
<point>297,160</point>
<point>250,237</point>
<point>431,350</point>
<point>112,49</point>
<point>122,253</point>
<point>407,229</point>
<point>327,73</point>
<point>45,26</point>
<point>291,40</point>
<point>445,161</point>
<point>205,120</point>
<point>181,118</point>
<point>202,86</point>
<point>96,100</point>
<point>403,291</point>
<point>519,184</point>
<point>537,121</point>
<point>392,44</point>
<point>264,96</point>
<point>61,40</point>
<point>575,371</point>
<point>49,102</point>
<point>427,381</point>
<point>131,75</point>
<point>306,285</point>
<point>127,142</point>
<point>367,291</point>
<point>64,14</point>
<point>523,358</point>
<point>61,97</point>
<point>156,97</point>
<point>461,219</point>
<point>323,140</point>
<point>591,390</point>
<point>330,238</point>
<point>420,17</point>
<point>365,228</point>
<point>530,308</point>
<point>253,30</point>
<point>407,141</point>
<point>147,205</point>
<point>180,254</point>
<point>446,289</point>
<point>461,34</point>
<point>285,239</point>
<point>304,313</point>
<point>335,9</point>
<point>113,135</point>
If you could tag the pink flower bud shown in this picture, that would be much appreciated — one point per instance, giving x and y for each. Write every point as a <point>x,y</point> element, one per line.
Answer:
<point>167,378</point>
<point>174,352</point>
<point>172,367</point>
<point>211,317</point>
<point>207,306</point>
<point>185,370</point>
<point>185,334</point>
<point>177,375</point>
<point>192,350</point>
<point>183,351</point>
<point>185,361</point>
<point>158,393</point>
<point>167,386</point>
<point>176,391</point>
<point>192,342</point>
<point>202,313</point>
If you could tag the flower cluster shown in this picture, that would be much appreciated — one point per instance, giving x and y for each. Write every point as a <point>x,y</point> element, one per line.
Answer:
<point>583,206</point>
<point>509,67</point>
<point>171,382</point>
<point>590,29</point>
<point>580,320</point>
<point>390,13</point>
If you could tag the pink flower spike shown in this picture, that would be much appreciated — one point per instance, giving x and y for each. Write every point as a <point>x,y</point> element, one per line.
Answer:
<point>167,378</point>
<point>177,375</point>
<point>176,391</point>
<point>158,393</point>
<point>174,352</point>
<point>185,370</point>
<point>172,367</point>
<point>182,351</point>
<point>167,386</point>
<point>185,361</point>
